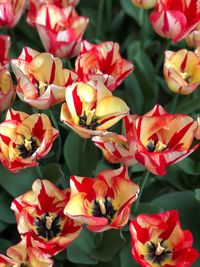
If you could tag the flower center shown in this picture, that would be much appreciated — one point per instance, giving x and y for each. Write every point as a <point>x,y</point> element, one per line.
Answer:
<point>187,77</point>
<point>103,208</point>
<point>48,226</point>
<point>27,148</point>
<point>41,87</point>
<point>157,253</point>
<point>24,265</point>
<point>88,122</point>
<point>155,146</point>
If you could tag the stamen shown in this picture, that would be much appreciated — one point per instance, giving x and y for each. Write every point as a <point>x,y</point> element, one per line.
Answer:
<point>102,206</point>
<point>160,146</point>
<point>159,249</point>
<point>49,221</point>
<point>28,144</point>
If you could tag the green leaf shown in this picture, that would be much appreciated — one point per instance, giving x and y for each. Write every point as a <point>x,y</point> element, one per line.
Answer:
<point>53,172</point>
<point>111,242</point>
<point>17,183</point>
<point>188,166</point>
<point>6,215</point>
<point>81,155</point>
<point>188,105</point>
<point>145,73</point>
<point>80,250</point>
<point>148,208</point>
<point>132,11</point>
<point>187,205</point>
<point>126,258</point>
<point>197,194</point>
<point>5,244</point>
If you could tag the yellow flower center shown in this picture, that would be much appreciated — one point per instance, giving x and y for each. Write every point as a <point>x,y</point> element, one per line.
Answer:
<point>42,87</point>
<point>159,249</point>
<point>186,76</point>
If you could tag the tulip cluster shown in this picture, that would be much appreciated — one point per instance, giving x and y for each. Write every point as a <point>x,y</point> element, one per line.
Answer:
<point>50,217</point>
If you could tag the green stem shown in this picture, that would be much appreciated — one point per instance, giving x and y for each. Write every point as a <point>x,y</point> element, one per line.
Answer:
<point>109,11</point>
<point>99,17</point>
<point>142,186</point>
<point>59,149</point>
<point>162,56</point>
<point>39,171</point>
<point>174,102</point>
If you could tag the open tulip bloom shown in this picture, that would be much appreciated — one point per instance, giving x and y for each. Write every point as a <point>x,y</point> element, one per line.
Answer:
<point>158,240</point>
<point>175,19</point>
<point>11,12</point>
<point>34,6</point>
<point>41,78</point>
<point>182,71</point>
<point>60,30</point>
<point>104,202</point>
<point>155,140</point>
<point>102,62</point>
<point>25,254</point>
<point>91,108</point>
<point>24,139</point>
<point>39,214</point>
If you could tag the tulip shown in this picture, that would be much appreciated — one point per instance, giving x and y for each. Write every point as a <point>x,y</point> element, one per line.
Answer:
<point>25,254</point>
<point>60,30</point>
<point>24,139</point>
<point>193,39</point>
<point>182,71</point>
<point>115,149</point>
<point>155,140</point>
<point>175,19</point>
<point>11,12</point>
<point>41,78</point>
<point>39,214</point>
<point>7,90</point>
<point>104,202</point>
<point>146,4</point>
<point>5,46</point>
<point>34,5</point>
<point>102,62</point>
<point>158,240</point>
<point>90,108</point>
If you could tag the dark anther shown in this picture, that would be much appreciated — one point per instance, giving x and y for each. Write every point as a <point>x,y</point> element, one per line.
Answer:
<point>93,124</point>
<point>47,226</point>
<point>154,256</point>
<point>27,150</point>
<point>151,146</point>
<point>107,206</point>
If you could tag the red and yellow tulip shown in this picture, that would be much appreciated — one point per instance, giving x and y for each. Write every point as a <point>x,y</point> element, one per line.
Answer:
<point>24,139</point>
<point>34,5</point>
<point>175,19</point>
<point>193,39</point>
<point>91,108</point>
<point>102,62</point>
<point>155,140</point>
<point>146,4</point>
<point>60,30</point>
<point>11,12</point>
<point>104,202</point>
<point>7,89</point>
<point>5,46</point>
<point>182,71</point>
<point>39,214</point>
<point>26,254</point>
<point>115,149</point>
<point>158,240</point>
<point>41,78</point>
